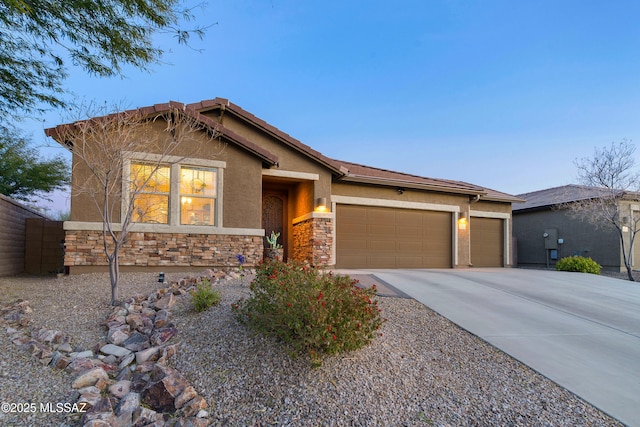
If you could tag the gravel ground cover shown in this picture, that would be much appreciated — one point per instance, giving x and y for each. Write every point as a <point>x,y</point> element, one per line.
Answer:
<point>422,371</point>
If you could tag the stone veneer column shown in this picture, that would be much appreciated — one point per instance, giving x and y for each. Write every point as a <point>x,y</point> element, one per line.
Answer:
<point>313,240</point>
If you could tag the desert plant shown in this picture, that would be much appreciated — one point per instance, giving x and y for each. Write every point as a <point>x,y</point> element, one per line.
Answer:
<point>204,296</point>
<point>578,264</point>
<point>313,311</point>
<point>273,240</point>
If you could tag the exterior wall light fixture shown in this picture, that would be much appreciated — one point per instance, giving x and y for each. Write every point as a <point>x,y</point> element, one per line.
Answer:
<point>462,222</point>
<point>321,204</point>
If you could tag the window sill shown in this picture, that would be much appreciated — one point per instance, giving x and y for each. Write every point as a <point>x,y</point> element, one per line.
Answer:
<point>163,228</point>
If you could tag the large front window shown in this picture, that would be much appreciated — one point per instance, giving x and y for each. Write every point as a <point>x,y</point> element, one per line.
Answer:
<point>184,193</point>
<point>197,196</point>
<point>151,183</point>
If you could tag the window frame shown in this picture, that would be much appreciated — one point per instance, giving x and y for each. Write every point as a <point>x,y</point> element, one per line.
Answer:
<point>143,193</point>
<point>182,195</point>
<point>174,163</point>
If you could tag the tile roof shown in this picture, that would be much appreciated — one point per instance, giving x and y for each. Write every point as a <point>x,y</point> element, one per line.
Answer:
<point>269,129</point>
<point>372,175</point>
<point>270,158</point>
<point>345,171</point>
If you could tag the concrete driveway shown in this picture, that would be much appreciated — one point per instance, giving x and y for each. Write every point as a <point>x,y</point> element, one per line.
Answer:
<point>580,330</point>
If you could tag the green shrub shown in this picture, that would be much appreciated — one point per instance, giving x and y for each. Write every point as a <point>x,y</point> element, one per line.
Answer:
<point>204,296</point>
<point>579,264</point>
<point>312,311</point>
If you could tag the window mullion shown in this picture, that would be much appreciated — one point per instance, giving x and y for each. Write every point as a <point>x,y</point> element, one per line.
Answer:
<point>174,200</point>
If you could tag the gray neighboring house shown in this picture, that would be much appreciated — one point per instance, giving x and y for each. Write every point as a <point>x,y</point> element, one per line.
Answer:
<point>543,233</point>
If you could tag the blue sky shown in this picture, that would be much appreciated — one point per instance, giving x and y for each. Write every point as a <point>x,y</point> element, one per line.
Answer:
<point>503,94</point>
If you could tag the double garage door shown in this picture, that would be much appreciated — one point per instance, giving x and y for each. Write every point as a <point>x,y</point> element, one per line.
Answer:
<point>379,237</point>
<point>376,237</point>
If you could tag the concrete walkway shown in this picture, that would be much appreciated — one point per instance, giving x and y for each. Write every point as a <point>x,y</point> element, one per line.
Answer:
<point>580,330</point>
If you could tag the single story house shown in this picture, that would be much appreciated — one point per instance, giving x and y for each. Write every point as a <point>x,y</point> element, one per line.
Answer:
<point>546,233</point>
<point>330,212</point>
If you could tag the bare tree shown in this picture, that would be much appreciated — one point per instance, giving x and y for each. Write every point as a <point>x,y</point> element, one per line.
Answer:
<point>121,156</point>
<point>612,199</point>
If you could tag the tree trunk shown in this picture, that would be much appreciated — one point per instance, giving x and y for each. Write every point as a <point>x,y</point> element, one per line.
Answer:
<point>114,275</point>
<point>629,275</point>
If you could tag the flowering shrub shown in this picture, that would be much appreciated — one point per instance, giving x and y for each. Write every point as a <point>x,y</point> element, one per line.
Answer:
<point>579,264</point>
<point>204,296</point>
<point>312,311</point>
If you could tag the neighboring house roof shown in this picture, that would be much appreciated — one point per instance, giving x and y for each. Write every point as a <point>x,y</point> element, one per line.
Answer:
<point>344,171</point>
<point>559,195</point>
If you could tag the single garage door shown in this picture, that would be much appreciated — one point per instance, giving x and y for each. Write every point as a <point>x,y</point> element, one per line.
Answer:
<point>487,242</point>
<point>375,237</point>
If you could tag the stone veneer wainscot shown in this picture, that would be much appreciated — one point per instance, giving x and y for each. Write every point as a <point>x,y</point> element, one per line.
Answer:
<point>150,249</point>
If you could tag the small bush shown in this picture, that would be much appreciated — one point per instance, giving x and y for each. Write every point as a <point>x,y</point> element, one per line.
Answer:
<point>579,264</point>
<point>312,311</point>
<point>204,296</point>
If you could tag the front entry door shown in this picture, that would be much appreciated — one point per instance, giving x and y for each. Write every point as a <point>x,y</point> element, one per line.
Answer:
<point>274,217</point>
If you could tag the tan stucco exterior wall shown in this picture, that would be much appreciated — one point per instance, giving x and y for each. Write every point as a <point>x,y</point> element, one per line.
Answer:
<point>289,159</point>
<point>241,185</point>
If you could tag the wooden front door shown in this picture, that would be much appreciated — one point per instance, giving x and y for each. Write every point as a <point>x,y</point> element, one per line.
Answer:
<point>274,217</point>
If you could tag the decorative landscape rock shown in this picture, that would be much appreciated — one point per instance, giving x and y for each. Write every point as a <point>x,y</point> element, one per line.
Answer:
<point>120,389</point>
<point>114,350</point>
<point>165,302</point>
<point>89,378</point>
<point>146,355</point>
<point>90,395</point>
<point>118,334</point>
<point>131,366</point>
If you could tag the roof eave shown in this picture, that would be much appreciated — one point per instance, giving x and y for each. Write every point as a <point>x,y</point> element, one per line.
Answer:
<point>230,108</point>
<point>190,111</point>
<point>505,198</point>
<point>413,185</point>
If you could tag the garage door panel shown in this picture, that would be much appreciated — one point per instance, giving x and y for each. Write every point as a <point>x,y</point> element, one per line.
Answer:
<point>410,232</point>
<point>409,262</point>
<point>356,260</point>
<point>355,244</point>
<point>382,229</point>
<point>349,215</point>
<point>358,228</point>
<point>380,215</point>
<point>410,218</point>
<point>379,261</point>
<point>394,238</point>
<point>410,246</point>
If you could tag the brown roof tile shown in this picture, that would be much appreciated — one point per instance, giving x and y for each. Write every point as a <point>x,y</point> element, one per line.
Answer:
<point>270,129</point>
<point>362,173</point>
<point>192,112</point>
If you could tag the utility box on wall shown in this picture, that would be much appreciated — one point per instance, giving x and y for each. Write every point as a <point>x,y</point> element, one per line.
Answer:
<point>550,238</point>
